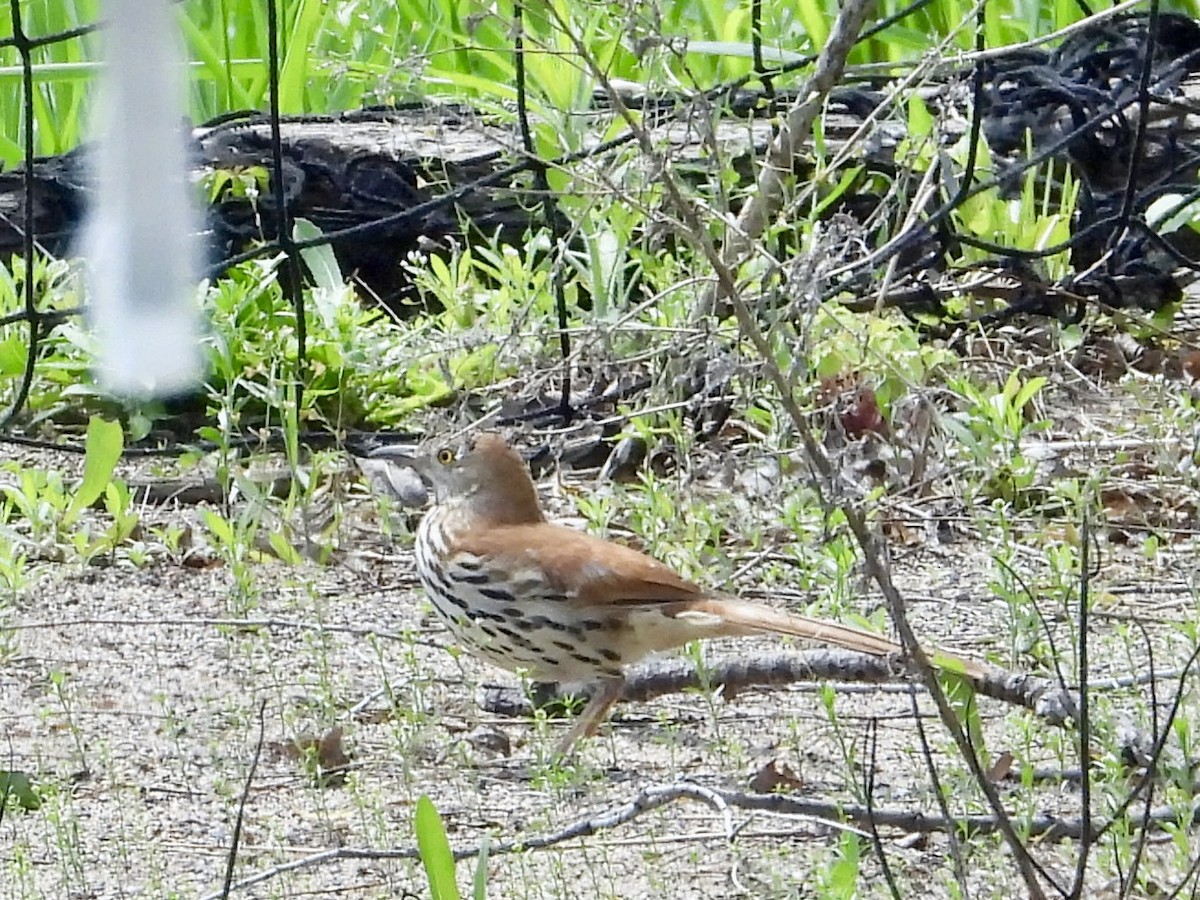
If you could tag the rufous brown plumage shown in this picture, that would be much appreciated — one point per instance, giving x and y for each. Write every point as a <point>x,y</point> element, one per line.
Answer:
<point>562,605</point>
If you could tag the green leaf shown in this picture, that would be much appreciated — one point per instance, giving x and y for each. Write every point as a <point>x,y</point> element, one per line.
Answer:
<point>103,447</point>
<point>320,260</point>
<point>13,356</point>
<point>920,120</point>
<point>1169,213</point>
<point>217,182</point>
<point>849,177</point>
<point>283,549</point>
<point>485,87</point>
<point>844,873</point>
<point>435,851</point>
<point>16,786</point>
<point>218,526</point>
<point>479,885</point>
<point>297,65</point>
<point>961,695</point>
<point>1022,394</point>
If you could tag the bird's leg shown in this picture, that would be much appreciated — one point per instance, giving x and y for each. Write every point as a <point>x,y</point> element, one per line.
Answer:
<point>607,692</point>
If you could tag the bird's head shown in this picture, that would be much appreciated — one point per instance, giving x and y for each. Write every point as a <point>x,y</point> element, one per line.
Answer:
<point>481,475</point>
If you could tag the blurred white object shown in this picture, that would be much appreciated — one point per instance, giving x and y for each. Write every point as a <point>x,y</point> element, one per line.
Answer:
<point>140,240</point>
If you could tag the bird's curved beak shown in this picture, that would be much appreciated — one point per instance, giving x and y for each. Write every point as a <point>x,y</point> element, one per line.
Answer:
<point>399,471</point>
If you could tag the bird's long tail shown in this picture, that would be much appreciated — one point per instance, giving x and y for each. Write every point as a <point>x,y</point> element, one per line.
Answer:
<point>732,617</point>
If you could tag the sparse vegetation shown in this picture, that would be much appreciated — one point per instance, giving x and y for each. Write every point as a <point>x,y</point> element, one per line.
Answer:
<point>138,637</point>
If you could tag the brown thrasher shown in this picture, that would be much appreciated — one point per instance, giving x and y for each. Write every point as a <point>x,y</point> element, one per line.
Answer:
<point>560,604</point>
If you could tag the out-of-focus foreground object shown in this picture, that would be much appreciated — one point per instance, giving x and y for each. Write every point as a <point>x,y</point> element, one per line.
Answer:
<point>140,240</point>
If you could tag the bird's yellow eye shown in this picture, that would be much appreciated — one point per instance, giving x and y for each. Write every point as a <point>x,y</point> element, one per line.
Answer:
<point>445,456</point>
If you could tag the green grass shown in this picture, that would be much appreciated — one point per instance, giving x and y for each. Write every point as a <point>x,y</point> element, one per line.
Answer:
<point>963,415</point>
<point>358,52</point>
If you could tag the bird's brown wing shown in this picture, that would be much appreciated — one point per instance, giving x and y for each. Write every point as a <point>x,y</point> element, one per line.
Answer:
<point>593,573</point>
<point>585,569</point>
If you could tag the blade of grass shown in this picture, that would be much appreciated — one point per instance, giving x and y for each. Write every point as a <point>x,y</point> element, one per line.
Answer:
<point>435,851</point>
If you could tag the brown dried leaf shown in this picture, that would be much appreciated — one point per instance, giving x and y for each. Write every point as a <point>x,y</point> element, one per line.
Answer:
<point>901,533</point>
<point>201,558</point>
<point>1189,362</point>
<point>1001,767</point>
<point>863,415</point>
<point>489,739</point>
<point>1121,506</point>
<point>326,754</point>
<point>776,776</point>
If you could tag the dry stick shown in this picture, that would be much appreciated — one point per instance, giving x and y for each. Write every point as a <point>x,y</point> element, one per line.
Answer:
<point>828,70</point>
<point>647,800</point>
<point>1051,827</point>
<point>1043,697</point>
<point>722,801</point>
<point>848,24</point>
<point>1085,727</point>
<point>960,868</point>
<point>227,886</point>
<point>869,795</point>
<point>777,166</point>
<point>873,558</point>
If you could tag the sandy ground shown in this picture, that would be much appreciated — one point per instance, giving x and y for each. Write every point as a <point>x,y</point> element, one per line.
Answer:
<point>136,698</point>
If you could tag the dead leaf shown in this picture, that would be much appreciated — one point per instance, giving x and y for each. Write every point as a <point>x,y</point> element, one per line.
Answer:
<point>863,415</point>
<point>489,739</point>
<point>201,558</point>
<point>325,755</point>
<point>775,776</point>
<point>1189,362</point>
<point>1001,767</point>
<point>901,533</point>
